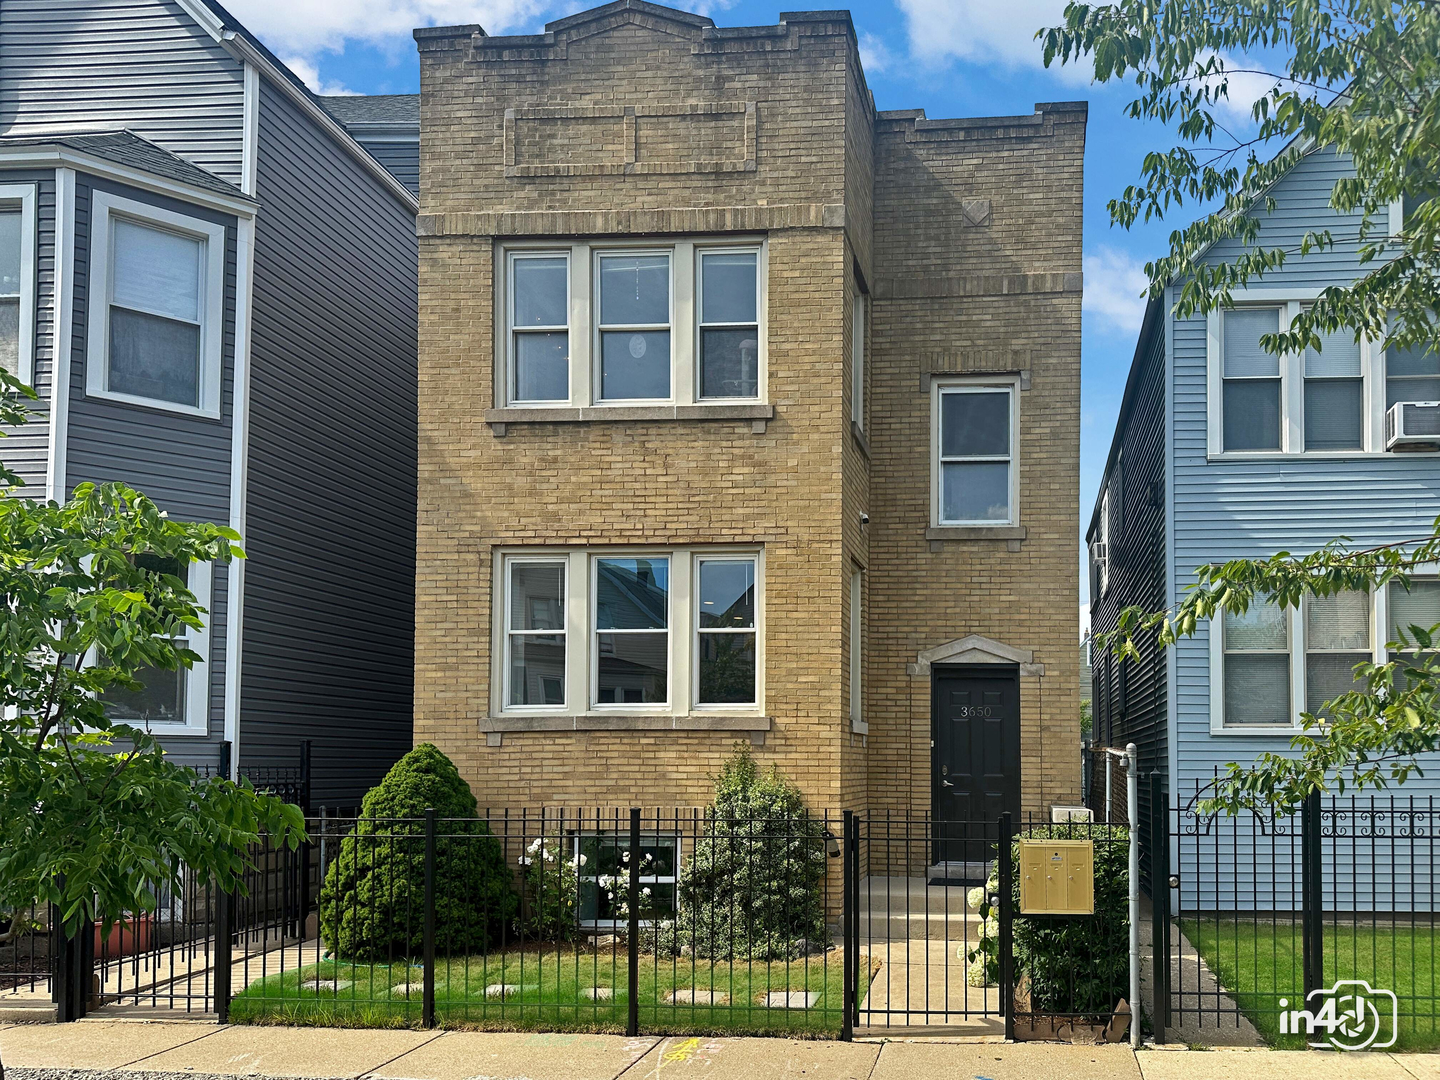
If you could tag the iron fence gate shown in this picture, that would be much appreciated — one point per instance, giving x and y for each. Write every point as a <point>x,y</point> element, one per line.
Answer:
<point>1258,917</point>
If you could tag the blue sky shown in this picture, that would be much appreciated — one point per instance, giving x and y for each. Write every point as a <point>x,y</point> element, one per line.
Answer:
<point>950,57</point>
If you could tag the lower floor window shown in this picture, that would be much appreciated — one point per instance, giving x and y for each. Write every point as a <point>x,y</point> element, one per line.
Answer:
<point>603,864</point>
<point>1257,667</point>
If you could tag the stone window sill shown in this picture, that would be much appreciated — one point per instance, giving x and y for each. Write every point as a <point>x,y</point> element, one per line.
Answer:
<point>976,532</point>
<point>616,722</point>
<point>757,413</point>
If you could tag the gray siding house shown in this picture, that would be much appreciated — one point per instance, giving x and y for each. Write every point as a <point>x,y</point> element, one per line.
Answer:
<point>212,284</point>
<point>1222,452</point>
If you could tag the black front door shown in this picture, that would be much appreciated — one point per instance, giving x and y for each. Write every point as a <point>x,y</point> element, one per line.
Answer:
<point>976,760</point>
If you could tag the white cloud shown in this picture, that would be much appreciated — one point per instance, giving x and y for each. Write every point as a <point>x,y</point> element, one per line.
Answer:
<point>307,27</point>
<point>875,55</point>
<point>983,31</point>
<point>310,75</point>
<point>1115,285</point>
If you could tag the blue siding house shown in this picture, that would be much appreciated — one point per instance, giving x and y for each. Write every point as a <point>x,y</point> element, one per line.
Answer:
<point>1222,451</point>
<point>212,283</point>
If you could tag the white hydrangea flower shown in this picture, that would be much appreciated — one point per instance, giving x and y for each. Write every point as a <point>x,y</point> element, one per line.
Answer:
<point>976,896</point>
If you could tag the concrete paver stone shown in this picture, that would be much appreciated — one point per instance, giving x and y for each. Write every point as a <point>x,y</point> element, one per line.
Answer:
<point>1233,1064</point>
<point>94,1044</point>
<point>1018,1061</point>
<point>748,1059</point>
<point>281,1051</point>
<point>473,1055</point>
<point>1420,1066</point>
<point>789,999</point>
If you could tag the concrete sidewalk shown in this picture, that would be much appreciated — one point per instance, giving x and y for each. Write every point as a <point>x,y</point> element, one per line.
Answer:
<point>195,1050</point>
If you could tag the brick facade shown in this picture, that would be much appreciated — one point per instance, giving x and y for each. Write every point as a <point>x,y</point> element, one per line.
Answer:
<point>636,121</point>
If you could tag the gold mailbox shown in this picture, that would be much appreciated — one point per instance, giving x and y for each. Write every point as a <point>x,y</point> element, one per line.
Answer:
<point>1057,877</point>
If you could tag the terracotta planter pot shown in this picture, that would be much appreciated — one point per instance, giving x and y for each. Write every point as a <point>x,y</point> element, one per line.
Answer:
<point>126,937</point>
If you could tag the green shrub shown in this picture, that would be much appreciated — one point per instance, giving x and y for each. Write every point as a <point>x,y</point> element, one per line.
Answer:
<point>1079,964</point>
<point>753,887</point>
<point>372,902</point>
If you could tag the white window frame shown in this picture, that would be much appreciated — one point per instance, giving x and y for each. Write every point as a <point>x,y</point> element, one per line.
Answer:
<point>700,251</point>
<point>105,208</point>
<point>858,324</point>
<point>581,651</point>
<point>1290,302</point>
<point>512,331</point>
<point>1429,572</point>
<point>938,389</point>
<point>592,643</point>
<point>508,605</point>
<point>584,328</point>
<point>200,579</point>
<point>1295,636</point>
<point>857,651</point>
<point>22,197</point>
<point>696,633</point>
<point>597,253</point>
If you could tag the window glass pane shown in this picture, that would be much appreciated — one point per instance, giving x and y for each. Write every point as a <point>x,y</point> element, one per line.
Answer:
<point>1333,417</point>
<point>160,700</point>
<point>728,284</point>
<point>1242,330</point>
<point>1420,606</point>
<point>537,669</point>
<point>542,366</point>
<point>729,363</point>
<point>1412,360</point>
<point>1338,358</point>
<point>537,596</point>
<point>156,271</point>
<point>159,564</point>
<point>633,668</point>
<point>1327,676</point>
<point>10,335</point>
<point>542,292</point>
<point>1251,410</point>
<point>634,290</point>
<point>1257,689</point>
<point>727,593</point>
<point>1262,627</point>
<point>630,594</point>
<point>975,424</point>
<point>9,252</point>
<point>634,364</point>
<point>1397,390</point>
<point>727,669</point>
<point>154,358</point>
<point>975,491</point>
<point>1338,622</point>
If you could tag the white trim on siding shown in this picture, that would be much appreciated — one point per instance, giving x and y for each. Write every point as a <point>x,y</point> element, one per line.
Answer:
<point>57,157</point>
<point>239,482</point>
<point>250,131</point>
<point>23,196</point>
<point>64,347</point>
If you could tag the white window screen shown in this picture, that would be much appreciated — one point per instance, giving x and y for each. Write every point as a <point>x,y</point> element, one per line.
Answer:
<point>1334,394</point>
<point>155,313</point>
<point>1257,667</point>
<point>1337,638</point>
<point>1250,393</point>
<point>1417,606</point>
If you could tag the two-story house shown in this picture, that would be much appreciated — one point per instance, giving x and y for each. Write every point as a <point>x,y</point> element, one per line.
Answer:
<point>211,283</point>
<point>747,412</point>
<point>1224,451</point>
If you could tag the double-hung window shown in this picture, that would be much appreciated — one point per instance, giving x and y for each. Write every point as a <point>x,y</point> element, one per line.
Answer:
<point>635,319</point>
<point>632,631</point>
<point>1337,638</point>
<point>975,451</point>
<point>1417,606</point>
<point>1256,665</point>
<point>729,323</point>
<point>725,631</point>
<point>857,362</point>
<point>157,285</point>
<point>1411,374</point>
<point>1251,383</point>
<point>17,279</point>
<point>1335,394</point>
<point>857,646</point>
<point>535,632</point>
<point>540,326</point>
<point>172,701</point>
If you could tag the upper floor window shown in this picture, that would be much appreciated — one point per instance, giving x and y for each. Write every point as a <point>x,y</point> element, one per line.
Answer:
<point>1411,374</point>
<point>1334,405</point>
<point>975,449</point>
<point>857,362</point>
<point>1250,405</point>
<point>627,324</point>
<point>157,287</point>
<point>17,279</point>
<point>857,646</point>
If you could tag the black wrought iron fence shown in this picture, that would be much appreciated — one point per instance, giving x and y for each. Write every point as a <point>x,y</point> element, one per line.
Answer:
<point>1272,920</point>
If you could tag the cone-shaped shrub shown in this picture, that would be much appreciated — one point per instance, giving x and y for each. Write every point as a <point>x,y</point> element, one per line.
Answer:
<point>372,903</point>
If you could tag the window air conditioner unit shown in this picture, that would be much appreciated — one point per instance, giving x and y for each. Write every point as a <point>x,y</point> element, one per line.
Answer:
<point>1412,426</point>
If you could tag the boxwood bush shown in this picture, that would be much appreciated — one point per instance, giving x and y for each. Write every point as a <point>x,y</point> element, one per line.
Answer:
<point>372,902</point>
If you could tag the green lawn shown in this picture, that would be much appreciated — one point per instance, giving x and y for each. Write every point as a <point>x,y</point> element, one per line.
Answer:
<point>550,995</point>
<point>1259,962</point>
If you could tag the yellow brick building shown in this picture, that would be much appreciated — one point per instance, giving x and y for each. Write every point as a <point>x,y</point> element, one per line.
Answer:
<point>746,413</point>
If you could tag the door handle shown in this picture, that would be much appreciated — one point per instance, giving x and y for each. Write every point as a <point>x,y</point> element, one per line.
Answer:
<point>947,783</point>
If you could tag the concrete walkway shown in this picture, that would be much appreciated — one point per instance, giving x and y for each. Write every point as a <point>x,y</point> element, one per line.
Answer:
<point>194,1050</point>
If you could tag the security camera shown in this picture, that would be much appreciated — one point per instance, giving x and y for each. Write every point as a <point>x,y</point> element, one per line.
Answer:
<point>864,519</point>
